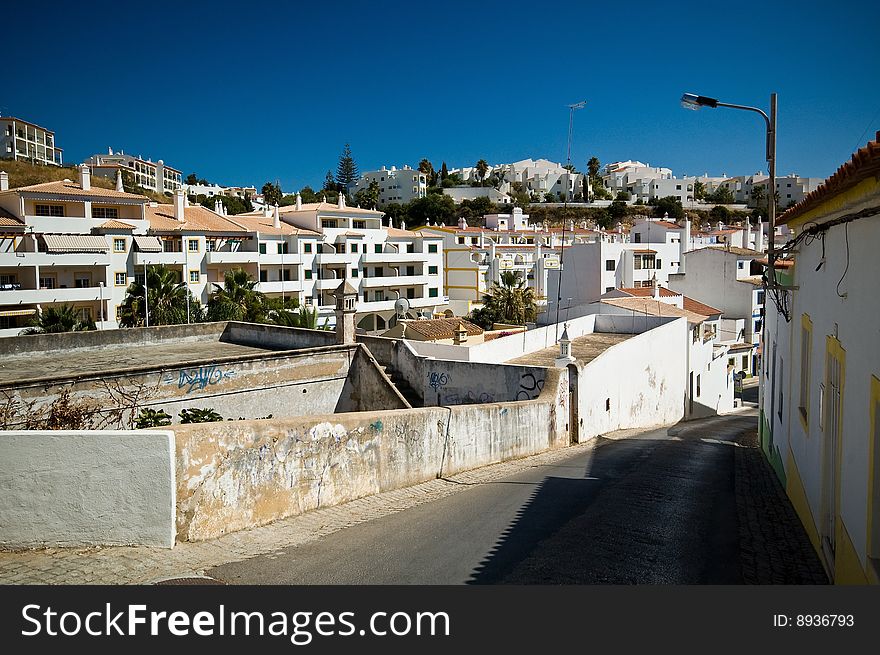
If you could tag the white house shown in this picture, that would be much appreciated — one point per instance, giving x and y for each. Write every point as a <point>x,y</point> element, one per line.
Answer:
<point>398,185</point>
<point>25,141</point>
<point>820,393</point>
<point>157,176</point>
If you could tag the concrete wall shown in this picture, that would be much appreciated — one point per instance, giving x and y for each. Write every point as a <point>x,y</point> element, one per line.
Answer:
<point>275,337</point>
<point>637,383</point>
<point>236,475</point>
<point>459,383</point>
<point>293,383</point>
<point>64,488</point>
<point>367,387</point>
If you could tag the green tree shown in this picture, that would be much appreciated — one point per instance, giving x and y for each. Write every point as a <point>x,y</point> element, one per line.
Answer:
<point>617,210</point>
<point>192,178</point>
<point>444,172</point>
<point>272,194</point>
<point>593,167</point>
<point>721,196</point>
<point>483,316</point>
<point>232,204</point>
<point>699,190</point>
<point>198,415</point>
<point>426,167</point>
<point>237,299</point>
<point>330,182</point>
<point>482,168</point>
<point>167,300</point>
<point>431,208</point>
<point>759,195</point>
<point>346,170</point>
<point>599,190</point>
<point>669,205</point>
<point>151,418</point>
<point>368,198</point>
<point>550,197</point>
<point>603,218</point>
<point>512,301</point>
<point>478,206</point>
<point>719,213</point>
<point>623,195</point>
<point>54,319</point>
<point>306,194</point>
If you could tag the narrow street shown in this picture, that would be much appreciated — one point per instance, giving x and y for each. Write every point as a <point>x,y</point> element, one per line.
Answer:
<point>664,506</point>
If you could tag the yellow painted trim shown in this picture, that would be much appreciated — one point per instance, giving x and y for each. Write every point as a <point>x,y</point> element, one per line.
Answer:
<point>806,378</point>
<point>838,202</point>
<point>847,566</point>
<point>115,283</point>
<point>198,245</point>
<point>124,244</point>
<point>794,487</point>
<point>461,287</point>
<point>873,549</point>
<point>198,276</point>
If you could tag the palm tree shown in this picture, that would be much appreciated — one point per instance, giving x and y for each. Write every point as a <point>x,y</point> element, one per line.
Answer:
<point>512,301</point>
<point>482,168</point>
<point>237,299</point>
<point>593,166</point>
<point>58,319</point>
<point>167,300</point>
<point>759,194</point>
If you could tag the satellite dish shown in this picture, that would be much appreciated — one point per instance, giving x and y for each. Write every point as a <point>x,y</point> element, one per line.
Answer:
<point>401,307</point>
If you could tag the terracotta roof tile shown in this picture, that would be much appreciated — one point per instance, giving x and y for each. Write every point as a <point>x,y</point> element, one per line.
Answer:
<point>266,225</point>
<point>653,307</point>
<point>645,292</point>
<point>442,328</point>
<point>68,188</point>
<point>864,164</point>
<point>697,307</point>
<point>115,225</point>
<point>198,218</point>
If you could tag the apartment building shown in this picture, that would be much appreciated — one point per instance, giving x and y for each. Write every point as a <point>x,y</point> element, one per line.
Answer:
<point>25,141</point>
<point>211,190</point>
<point>395,185</point>
<point>158,176</point>
<point>620,175</point>
<point>820,400</point>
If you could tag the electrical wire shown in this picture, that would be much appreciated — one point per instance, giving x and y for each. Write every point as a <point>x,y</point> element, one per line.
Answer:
<point>846,268</point>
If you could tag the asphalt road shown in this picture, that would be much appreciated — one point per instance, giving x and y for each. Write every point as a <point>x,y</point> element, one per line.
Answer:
<point>656,508</point>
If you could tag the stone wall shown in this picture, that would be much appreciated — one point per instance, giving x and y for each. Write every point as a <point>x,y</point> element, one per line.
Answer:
<point>237,475</point>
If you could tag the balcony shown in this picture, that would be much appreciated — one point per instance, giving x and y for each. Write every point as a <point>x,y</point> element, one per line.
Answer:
<point>167,258</point>
<point>45,260</point>
<point>289,286</point>
<point>388,305</point>
<point>238,257</point>
<point>330,283</point>
<point>393,257</point>
<point>274,258</point>
<point>336,257</point>
<point>398,281</point>
<point>35,296</point>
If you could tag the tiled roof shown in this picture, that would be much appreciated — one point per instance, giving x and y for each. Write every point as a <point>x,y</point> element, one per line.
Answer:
<point>697,307</point>
<point>9,220</point>
<point>865,163</point>
<point>442,328</point>
<point>115,225</point>
<point>327,206</point>
<point>779,263</point>
<point>198,218</point>
<point>646,292</point>
<point>653,307</point>
<point>644,251</point>
<point>266,225</point>
<point>68,188</point>
<point>397,232</point>
<point>733,250</point>
<point>668,224</point>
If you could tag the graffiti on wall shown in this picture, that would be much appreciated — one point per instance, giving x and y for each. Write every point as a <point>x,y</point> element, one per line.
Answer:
<point>197,379</point>
<point>468,398</point>
<point>437,380</point>
<point>530,387</point>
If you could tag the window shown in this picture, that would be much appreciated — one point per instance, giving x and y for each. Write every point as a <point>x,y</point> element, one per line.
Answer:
<point>282,247</point>
<point>105,212</point>
<point>309,299</point>
<point>698,386</point>
<point>638,238</point>
<point>432,292</point>
<point>745,365</point>
<point>119,279</point>
<point>378,249</point>
<point>328,222</point>
<point>432,270</point>
<point>192,245</point>
<point>50,210</point>
<point>118,245</point>
<point>378,272</point>
<point>607,289</point>
<point>359,225</point>
<point>461,241</point>
<point>47,281</point>
<point>410,293</point>
<point>354,247</point>
<point>264,275</point>
<point>781,389</point>
<point>474,241</point>
<point>307,247</point>
<point>760,300</point>
<point>308,273</point>
<point>193,277</point>
<point>731,361</point>
<point>379,296</point>
<point>262,248</point>
<point>84,314</point>
<point>285,274</point>
<point>82,280</point>
<point>210,245</point>
<point>354,272</point>
<point>410,247</point>
<point>806,347</point>
<point>609,264</point>
<point>432,247</point>
<point>410,270</point>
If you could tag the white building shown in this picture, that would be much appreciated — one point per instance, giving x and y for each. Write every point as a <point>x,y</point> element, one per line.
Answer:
<point>820,395</point>
<point>398,185</point>
<point>69,243</point>
<point>536,176</point>
<point>158,176</point>
<point>730,279</point>
<point>461,193</point>
<point>24,141</point>
<point>211,190</point>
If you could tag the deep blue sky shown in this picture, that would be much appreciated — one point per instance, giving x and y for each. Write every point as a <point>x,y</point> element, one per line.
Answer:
<point>247,92</point>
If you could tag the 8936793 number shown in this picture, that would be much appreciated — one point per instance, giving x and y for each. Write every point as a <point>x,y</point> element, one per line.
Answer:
<point>814,621</point>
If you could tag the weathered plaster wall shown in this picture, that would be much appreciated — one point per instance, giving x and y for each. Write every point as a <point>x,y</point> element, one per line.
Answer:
<point>64,488</point>
<point>293,383</point>
<point>276,338</point>
<point>367,387</point>
<point>637,383</point>
<point>239,474</point>
<point>460,383</point>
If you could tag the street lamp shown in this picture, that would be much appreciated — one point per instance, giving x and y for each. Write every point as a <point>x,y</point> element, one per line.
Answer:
<point>694,102</point>
<point>571,109</point>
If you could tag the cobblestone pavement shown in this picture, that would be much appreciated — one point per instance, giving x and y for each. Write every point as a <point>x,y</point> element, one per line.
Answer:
<point>774,546</point>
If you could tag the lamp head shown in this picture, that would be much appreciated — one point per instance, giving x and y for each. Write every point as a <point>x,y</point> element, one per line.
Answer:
<point>694,102</point>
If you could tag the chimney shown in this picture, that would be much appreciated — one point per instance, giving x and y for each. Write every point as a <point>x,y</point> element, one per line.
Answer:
<point>109,151</point>
<point>720,226</point>
<point>460,334</point>
<point>276,217</point>
<point>655,289</point>
<point>85,177</point>
<point>748,236</point>
<point>299,201</point>
<point>684,243</point>
<point>4,181</point>
<point>402,224</point>
<point>119,186</point>
<point>266,211</point>
<point>340,202</point>
<point>178,206</point>
<point>218,206</point>
<point>759,236</point>
<point>185,200</point>
<point>462,223</point>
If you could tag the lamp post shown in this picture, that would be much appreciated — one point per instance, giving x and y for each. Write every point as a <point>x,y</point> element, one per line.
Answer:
<point>571,109</point>
<point>695,102</point>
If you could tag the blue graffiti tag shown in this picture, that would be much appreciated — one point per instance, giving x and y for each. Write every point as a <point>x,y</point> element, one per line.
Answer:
<point>437,380</point>
<point>194,379</point>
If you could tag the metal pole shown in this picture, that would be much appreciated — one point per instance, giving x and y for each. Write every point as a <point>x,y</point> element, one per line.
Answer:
<point>771,205</point>
<point>146,298</point>
<point>186,276</point>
